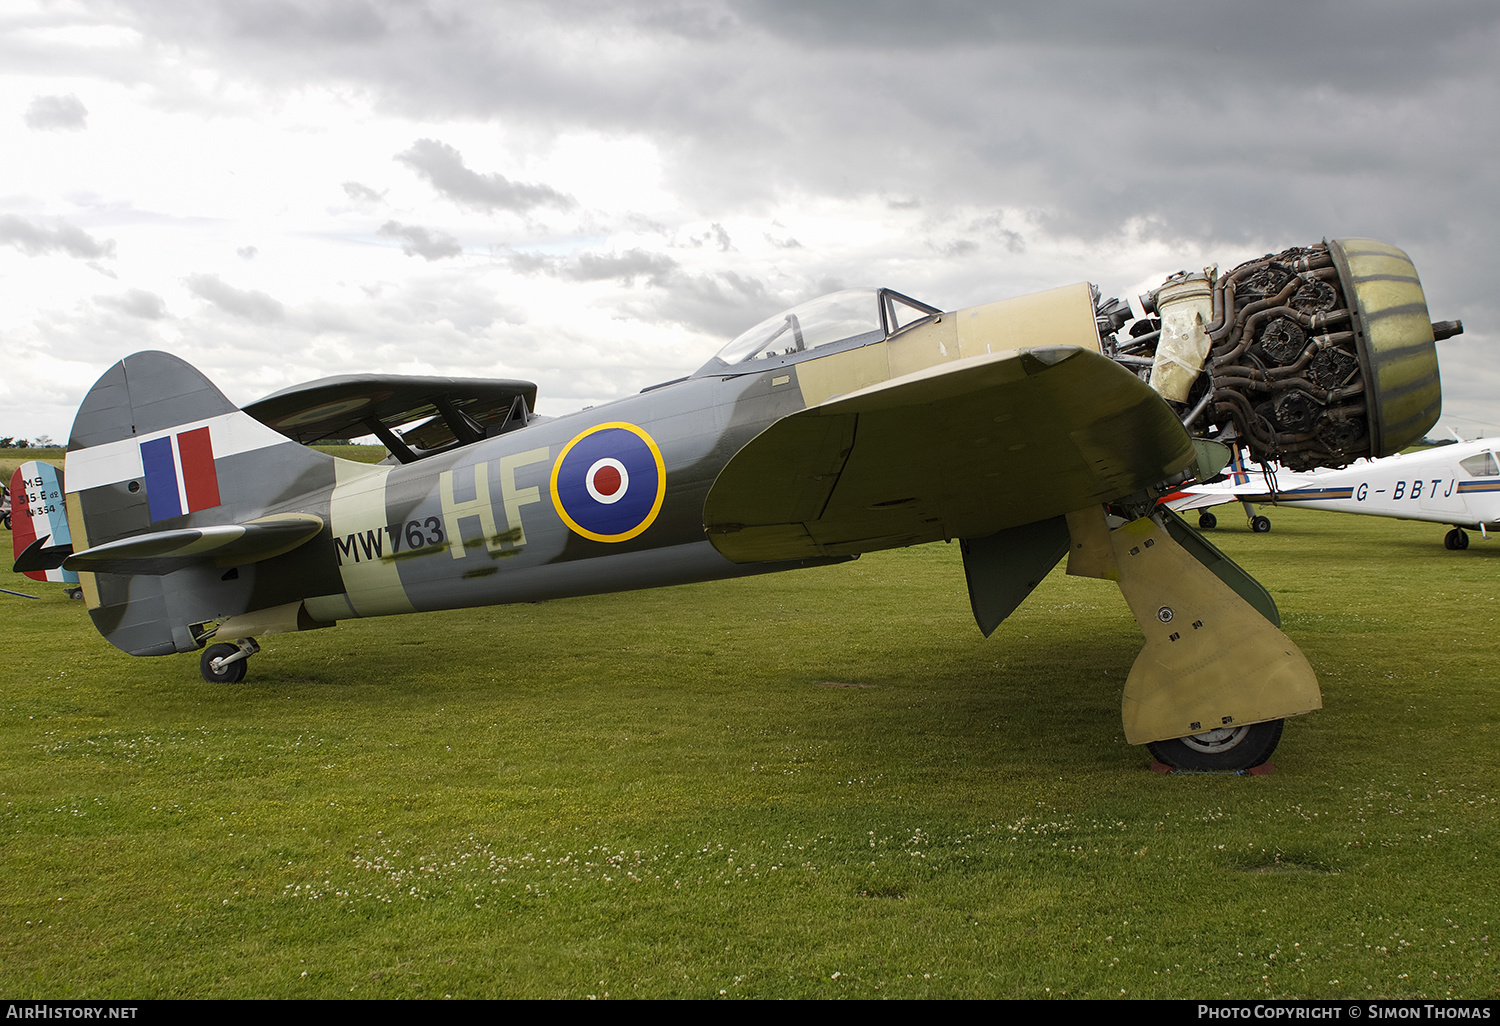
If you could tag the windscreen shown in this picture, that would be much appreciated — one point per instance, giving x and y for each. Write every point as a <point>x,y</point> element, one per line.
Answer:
<point>830,318</point>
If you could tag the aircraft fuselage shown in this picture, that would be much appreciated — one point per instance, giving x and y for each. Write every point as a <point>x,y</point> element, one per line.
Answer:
<point>486,524</point>
<point>1453,484</point>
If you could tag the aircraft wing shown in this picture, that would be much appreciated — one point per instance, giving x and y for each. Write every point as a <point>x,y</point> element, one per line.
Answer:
<point>960,450</point>
<point>349,405</point>
<point>1250,483</point>
<point>1199,498</point>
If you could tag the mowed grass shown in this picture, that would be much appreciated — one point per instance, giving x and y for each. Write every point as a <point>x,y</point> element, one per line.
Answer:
<point>816,784</point>
<point>10,459</point>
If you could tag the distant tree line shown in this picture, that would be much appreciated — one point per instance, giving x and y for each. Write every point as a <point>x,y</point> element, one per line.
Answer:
<point>40,442</point>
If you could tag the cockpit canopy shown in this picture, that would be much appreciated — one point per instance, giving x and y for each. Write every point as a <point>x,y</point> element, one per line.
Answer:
<point>847,319</point>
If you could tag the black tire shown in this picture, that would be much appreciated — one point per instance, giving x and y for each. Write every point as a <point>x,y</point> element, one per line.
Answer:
<point>1260,525</point>
<point>1228,750</point>
<point>7,521</point>
<point>1207,520</point>
<point>1456,539</point>
<point>230,674</point>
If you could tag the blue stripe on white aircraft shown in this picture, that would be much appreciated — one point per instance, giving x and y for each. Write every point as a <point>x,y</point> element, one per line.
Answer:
<point>1456,484</point>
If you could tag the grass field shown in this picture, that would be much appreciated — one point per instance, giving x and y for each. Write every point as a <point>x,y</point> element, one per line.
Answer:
<point>815,784</point>
<point>10,459</point>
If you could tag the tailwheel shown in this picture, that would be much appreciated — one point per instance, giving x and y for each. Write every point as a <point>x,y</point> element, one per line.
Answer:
<point>1225,750</point>
<point>226,664</point>
<point>1456,539</point>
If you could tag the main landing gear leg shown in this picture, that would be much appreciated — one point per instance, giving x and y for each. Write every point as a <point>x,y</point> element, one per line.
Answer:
<point>226,664</point>
<point>1258,523</point>
<point>1216,677</point>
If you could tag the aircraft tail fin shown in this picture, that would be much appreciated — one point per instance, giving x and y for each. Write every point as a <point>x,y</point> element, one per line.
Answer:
<point>39,527</point>
<point>170,491</point>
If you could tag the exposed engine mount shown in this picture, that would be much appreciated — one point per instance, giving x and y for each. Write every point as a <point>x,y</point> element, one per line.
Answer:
<point>1312,357</point>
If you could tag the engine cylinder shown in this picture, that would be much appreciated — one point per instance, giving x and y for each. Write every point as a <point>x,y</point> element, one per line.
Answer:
<point>1318,355</point>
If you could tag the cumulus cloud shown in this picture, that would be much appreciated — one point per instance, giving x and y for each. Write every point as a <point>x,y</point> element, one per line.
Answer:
<point>993,225</point>
<point>423,242</point>
<point>718,302</point>
<point>1090,129</point>
<point>443,167</point>
<point>247,252</point>
<point>721,236</point>
<point>623,267</point>
<point>361,193</point>
<point>39,238</point>
<point>249,304</point>
<point>320,22</point>
<point>722,303</point>
<point>957,248</point>
<point>527,262</point>
<point>66,113</point>
<point>1155,138</point>
<point>135,303</point>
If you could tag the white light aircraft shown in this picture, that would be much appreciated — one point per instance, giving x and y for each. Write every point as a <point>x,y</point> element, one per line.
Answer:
<point>1456,484</point>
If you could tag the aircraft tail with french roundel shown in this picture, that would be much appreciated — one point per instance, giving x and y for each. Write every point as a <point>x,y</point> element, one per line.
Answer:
<point>180,504</point>
<point>39,526</point>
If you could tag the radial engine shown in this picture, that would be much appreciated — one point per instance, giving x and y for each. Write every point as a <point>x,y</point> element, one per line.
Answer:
<point>1312,357</point>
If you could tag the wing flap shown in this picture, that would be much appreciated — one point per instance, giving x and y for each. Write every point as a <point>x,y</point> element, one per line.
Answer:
<point>961,450</point>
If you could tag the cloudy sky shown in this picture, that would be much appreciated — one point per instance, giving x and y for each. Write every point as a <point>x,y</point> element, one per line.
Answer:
<point>596,196</point>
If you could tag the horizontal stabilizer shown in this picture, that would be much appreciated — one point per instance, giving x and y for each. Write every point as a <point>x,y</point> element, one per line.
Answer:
<point>163,552</point>
<point>40,556</point>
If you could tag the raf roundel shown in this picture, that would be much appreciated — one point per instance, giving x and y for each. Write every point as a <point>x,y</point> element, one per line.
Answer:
<point>609,481</point>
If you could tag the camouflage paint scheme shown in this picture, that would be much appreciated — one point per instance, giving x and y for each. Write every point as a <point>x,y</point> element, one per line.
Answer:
<point>1001,425</point>
<point>474,526</point>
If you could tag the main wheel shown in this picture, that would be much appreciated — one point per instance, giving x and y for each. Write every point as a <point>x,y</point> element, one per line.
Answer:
<point>1260,525</point>
<point>1226,750</point>
<point>230,673</point>
<point>1207,520</point>
<point>1456,539</point>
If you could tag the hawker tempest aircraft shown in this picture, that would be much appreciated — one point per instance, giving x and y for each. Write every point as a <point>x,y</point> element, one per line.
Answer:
<point>1450,484</point>
<point>1029,429</point>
